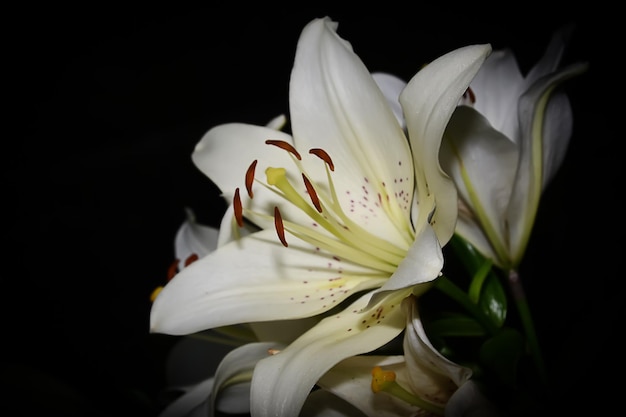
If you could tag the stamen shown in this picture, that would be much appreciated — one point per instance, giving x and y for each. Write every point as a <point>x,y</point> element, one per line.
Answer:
<point>284,145</point>
<point>320,153</point>
<point>155,293</point>
<point>381,379</point>
<point>191,259</point>
<point>314,198</point>
<point>470,93</point>
<point>173,268</point>
<point>238,208</point>
<point>386,381</point>
<point>280,229</point>
<point>250,177</point>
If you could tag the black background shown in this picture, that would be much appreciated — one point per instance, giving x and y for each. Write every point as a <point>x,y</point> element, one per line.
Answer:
<point>104,109</point>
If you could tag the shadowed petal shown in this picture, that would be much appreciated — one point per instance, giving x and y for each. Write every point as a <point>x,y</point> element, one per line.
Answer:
<point>281,383</point>
<point>428,101</point>
<point>252,280</point>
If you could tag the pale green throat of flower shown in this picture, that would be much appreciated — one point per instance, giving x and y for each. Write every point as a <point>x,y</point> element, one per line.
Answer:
<point>348,240</point>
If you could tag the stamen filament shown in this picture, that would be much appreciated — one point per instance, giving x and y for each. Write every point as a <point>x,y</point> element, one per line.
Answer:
<point>340,248</point>
<point>361,245</point>
<point>360,233</point>
<point>386,381</point>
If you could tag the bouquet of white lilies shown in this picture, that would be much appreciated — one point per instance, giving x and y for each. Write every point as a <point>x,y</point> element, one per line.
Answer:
<point>367,263</point>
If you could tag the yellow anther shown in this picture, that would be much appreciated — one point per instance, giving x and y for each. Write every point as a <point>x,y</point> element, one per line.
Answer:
<point>381,379</point>
<point>154,294</point>
<point>386,381</point>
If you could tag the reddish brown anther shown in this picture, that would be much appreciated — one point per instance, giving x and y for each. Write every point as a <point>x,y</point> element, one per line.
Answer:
<point>173,268</point>
<point>191,259</point>
<point>321,153</point>
<point>238,208</point>
<point>312,193</point>
<point>284,145</point>
<point>250,177</point>
<point>280,228</point>
<point>471,95</point>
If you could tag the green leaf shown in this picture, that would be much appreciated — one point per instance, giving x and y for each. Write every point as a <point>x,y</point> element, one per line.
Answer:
<point>477,281</point>
<point>493,300</point>
<point>485,288</point>
<point>455,326</point>
<point>471,259</point>
<point>501,354</point>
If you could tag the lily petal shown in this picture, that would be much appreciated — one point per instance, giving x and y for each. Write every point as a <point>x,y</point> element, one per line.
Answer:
<point>351,380</point>
<point>429,100</point>
<point>220,289</point>
<point>469,401</point>
<point>336,105</point>
<point>281,383</point>
<point>430,373</point>
<point>236,368</point>
<point>193,238</point>
<point>392,87</point>
<point>230,230</point>
<point>497,87</point>
<point>226,151</point>
<point>483,163</point>
<point>321,403</point>
<point>534,106</point>
<point>421,265</point>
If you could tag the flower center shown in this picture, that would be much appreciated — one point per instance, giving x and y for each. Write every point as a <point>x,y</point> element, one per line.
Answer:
<point>331,229</point>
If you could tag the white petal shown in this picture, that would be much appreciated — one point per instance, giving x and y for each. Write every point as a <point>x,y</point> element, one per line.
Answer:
<point>469,229</point>
<point>428,102</point>
<point>497,87</point>
<point>256,279</point>
<point>277,122</point>
<point>529,181</point>
<point>193,238</point>
<point>351,379</point>
<point>422,264</point>
<point>336,105</point>
<point>551,58</point>
<point>322,403</point>
<point>237,366</point>
<point>230,230</point>
<point>483,163</point>
<point>469,401</point>
<point>391,86</point>
<point>281,383</point>
<point>226,151</point>
<point>430,374</point>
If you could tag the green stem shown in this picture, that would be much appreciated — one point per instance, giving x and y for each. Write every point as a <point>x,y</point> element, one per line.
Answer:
<point>453,291</point>
<point>519,296</point>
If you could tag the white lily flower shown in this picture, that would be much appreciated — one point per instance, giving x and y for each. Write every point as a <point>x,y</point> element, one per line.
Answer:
<point>364,213</point>
<point>420,381</point>
<point>227,391</point>
<point>503,146</point>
